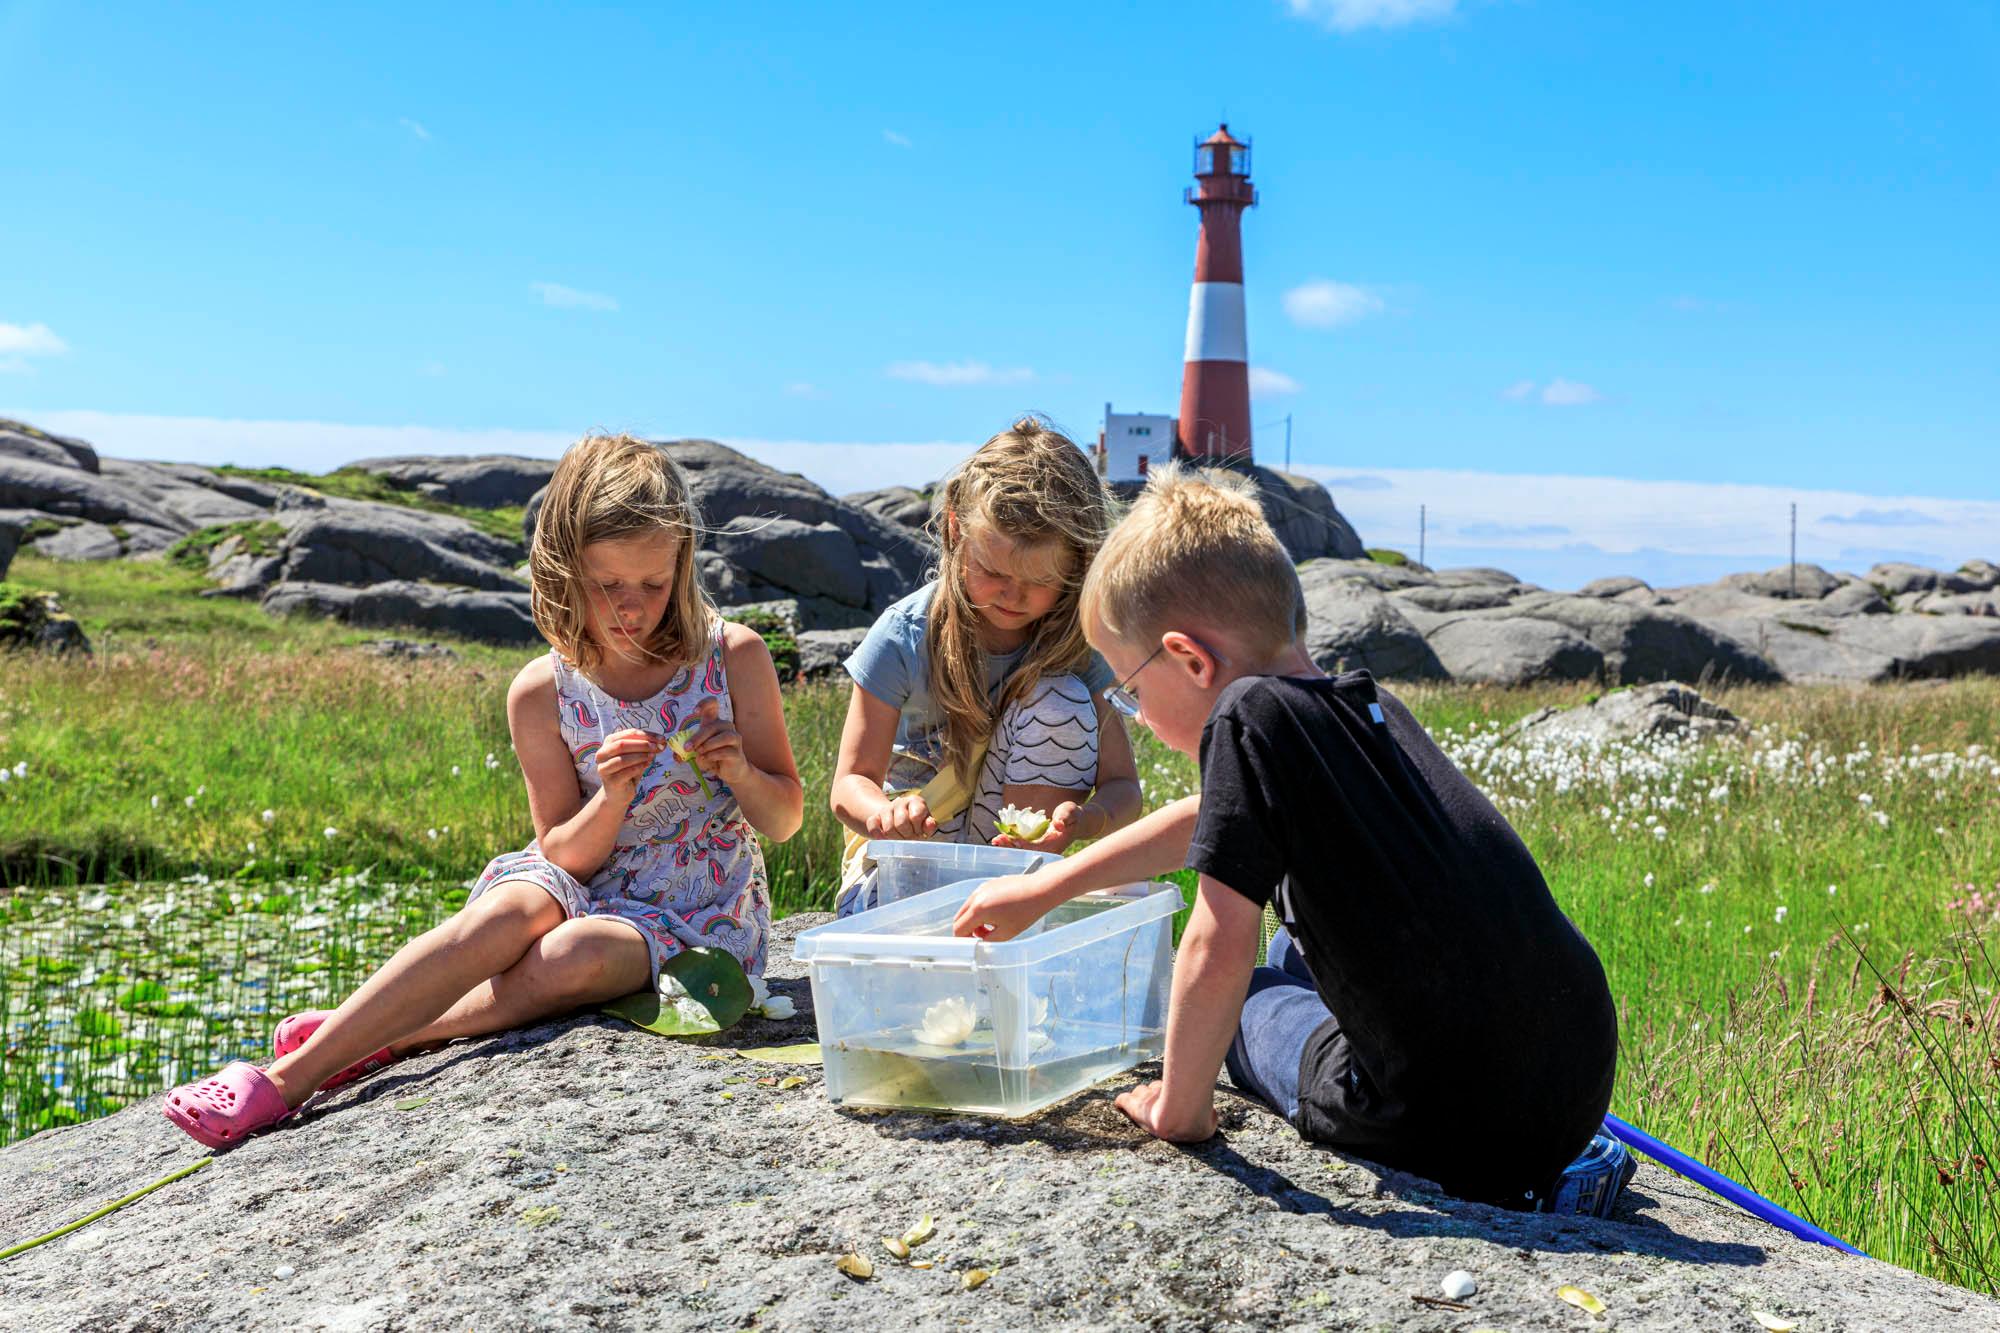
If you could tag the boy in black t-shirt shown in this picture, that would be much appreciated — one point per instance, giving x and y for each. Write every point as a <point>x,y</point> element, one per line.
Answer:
<point>1426,1005</point>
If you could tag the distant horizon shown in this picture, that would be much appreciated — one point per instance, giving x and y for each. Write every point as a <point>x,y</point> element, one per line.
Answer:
<point>1557,530</point>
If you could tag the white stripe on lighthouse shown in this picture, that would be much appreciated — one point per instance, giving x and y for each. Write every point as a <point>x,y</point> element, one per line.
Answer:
<point>1215,322</point>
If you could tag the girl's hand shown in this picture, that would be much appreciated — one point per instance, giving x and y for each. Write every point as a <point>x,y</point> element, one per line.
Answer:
<point>1000,909</point>
<point>1146,1107</point>
<point>624,757</point>
<point>1065,827</point>
<point>906,817</point>
<point>717,745</point>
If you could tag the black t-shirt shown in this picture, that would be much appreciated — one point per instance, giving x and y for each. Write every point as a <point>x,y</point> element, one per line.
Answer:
<point>1473,1037</point>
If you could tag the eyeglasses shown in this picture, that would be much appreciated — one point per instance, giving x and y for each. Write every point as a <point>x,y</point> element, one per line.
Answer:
<point>1123,699</point>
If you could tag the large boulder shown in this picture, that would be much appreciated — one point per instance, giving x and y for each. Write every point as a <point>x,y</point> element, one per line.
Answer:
<point>1514,651</point>
<point>493,617</point>
<point>1787,581</point>
<point>1615,586</point>
<point>583,1174</point>
<point>902,505</point>
<point>1441,597</point>
<point>784,556</point>
<point>32,619</point>
<point>359,542</point>
<point>20,440</point>
<point>186,493</point>
<point>1303,514</point>
<point>1642,643</point>
<point>485,481</point>
<point>10,541</point>
<point>84,540</point>
<point>71,492</point>
<point>1350,625</point>
<point>823,653</point>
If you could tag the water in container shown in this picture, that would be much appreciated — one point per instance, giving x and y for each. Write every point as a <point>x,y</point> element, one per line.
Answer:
<point>912,1016</point>
<point>904,869</point>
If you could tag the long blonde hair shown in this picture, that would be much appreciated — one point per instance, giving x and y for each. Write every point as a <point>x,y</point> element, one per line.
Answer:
<point>606,488</point>
<point>1029,483</point>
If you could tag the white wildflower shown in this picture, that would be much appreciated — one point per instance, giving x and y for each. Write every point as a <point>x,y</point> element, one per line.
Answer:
<point>454,770</point>
<point>21,769</point>
<point>330,831</point>
<point>188,801</point>
<point>268,816</point>
<point>1648,881</point>
<point>1782,910</point>
<point>432,834</point>
<point>156,802</point>
<point>1832,889</point>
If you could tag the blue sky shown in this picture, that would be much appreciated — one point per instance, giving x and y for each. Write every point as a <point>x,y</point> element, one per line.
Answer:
<point>1743,246</point>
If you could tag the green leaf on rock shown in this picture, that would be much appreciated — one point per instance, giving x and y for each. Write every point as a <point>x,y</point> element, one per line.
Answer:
<point>701,991</point>
<point>806,1053</point>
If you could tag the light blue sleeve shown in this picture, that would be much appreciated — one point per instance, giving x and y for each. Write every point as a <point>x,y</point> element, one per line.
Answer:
<point>885,663</point>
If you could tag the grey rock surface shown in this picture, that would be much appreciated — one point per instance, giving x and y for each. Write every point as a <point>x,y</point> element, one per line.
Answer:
<point>179,491</point>
<point>586,1175</point>
<point>822,653</point>
<point>1808,582</point>
<point>71,492</point>
<point>493,617</point>
<point>1304,516</point>
<point>20,440</point>
<point>1613,586</point>
<point>358,542</point>
<point>10,541</point>
<point>1514,651</point>
<point>899,504</point>
<point>1644,643</point>
<point>1351,626</point>
<point>485,481</point>
<point>1666,708</point>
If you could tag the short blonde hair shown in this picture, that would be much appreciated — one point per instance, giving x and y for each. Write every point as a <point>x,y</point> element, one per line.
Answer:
<point>1195,550</point>
<point>610,488</point>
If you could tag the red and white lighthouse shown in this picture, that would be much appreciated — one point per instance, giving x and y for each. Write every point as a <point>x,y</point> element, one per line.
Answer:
<point>1214,424</point>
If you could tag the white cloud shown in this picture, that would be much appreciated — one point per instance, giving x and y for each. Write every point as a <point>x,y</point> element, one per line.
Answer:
<point>1562,531</point>
<point>957,374</point>
<point>415,127</point>
<point>30,340</point>
<point>1518,390</point>
<point>1325,304</point>
<point>899,140</point>
<point>1883,518</point>
<point>1353,15</point>
<point>570,298</point>
<point>1265,383</point>
<point>1560,392</point>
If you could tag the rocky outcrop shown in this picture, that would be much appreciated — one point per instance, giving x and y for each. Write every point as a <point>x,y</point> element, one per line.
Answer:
<point>20,440</point>
<point>494,617</point>
<point>823,653</point>
<point>34,620</point>
<point>10,541</point>
<point>1352,626</point>
<point>901,505</point>
<point>587,1175</point>
<point>1645,712</point>
<point>485,481</point>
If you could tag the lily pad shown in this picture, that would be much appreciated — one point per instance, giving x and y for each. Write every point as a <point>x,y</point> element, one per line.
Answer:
<point>701,991</point>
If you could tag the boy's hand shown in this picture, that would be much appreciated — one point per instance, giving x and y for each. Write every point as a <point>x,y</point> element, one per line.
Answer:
<point>1146,1107</point>
<point>1001,908</point>
<point>905,817</point>
<point>1065,827</point>
<point>624,757</point>
<point>717,744</point>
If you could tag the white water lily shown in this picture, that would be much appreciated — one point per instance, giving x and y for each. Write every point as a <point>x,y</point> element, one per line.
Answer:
<point>949,1022</point>
<point>1022,822</point>
<point>778,1008</point>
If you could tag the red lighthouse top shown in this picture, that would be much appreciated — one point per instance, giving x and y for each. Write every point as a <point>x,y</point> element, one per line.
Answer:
<point>1222,165</point>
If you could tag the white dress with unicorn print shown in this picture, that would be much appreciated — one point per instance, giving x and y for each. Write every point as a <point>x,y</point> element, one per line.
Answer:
<point>686,869</point>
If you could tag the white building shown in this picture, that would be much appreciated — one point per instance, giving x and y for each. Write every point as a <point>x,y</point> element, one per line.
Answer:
<point>1130,443</point>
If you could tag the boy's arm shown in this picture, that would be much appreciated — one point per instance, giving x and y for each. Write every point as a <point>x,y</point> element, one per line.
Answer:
<point>1211,977</point>
<point>1153,846</point>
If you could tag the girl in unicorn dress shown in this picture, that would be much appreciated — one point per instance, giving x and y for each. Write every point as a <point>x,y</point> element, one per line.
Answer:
<point>652,741</point>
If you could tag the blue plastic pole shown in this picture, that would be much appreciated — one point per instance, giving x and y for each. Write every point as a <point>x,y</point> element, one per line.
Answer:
<point>1709,1178</point>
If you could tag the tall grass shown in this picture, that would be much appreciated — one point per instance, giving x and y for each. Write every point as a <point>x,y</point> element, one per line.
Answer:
<point>1795,924</point>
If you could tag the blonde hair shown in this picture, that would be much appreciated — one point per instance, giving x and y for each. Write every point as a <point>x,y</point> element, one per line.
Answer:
<point>1032,484</point>
<point>611,488</point>
<point>1195,549</point>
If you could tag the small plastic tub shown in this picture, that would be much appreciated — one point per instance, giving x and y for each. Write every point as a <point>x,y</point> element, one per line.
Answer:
<point>904,869</point>
<point>912,1016</point>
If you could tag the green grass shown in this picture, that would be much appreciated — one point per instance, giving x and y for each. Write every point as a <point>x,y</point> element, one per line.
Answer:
<point>259,536</point>
<point>1382,555</point>
<point>354,484</point>
<point>1837,1054</point>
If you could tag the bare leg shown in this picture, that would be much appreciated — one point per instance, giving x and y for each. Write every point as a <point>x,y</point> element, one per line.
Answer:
<point>425,977</point>
<point>581,962</point>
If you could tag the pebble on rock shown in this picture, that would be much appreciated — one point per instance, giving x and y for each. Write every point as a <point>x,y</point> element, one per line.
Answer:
<point>1458,1284</point>
<point>283,1270</point>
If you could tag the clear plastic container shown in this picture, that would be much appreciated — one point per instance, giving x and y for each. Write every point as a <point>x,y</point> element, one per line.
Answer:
<point>906,869</point>
<point>912,1016</point>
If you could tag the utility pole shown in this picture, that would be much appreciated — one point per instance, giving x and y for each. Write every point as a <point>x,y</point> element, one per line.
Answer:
<point>1423,530</point>
<point>1288,441</point>
<point>1795,550</point>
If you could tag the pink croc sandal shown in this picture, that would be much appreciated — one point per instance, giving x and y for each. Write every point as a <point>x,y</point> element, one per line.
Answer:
<point>296,1030</point>
<point>229,1107</point>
